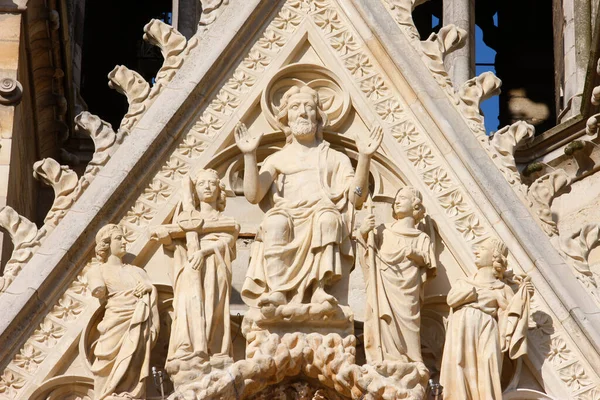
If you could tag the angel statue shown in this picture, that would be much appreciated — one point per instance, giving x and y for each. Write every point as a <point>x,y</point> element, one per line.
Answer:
<point>310,192</point>
<point>487,319</point>
<point>130,325</point>
<point>397,260</point>
<point>203,243</point>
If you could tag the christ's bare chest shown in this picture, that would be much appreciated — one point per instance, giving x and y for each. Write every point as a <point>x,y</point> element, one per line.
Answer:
<point>298,176</point>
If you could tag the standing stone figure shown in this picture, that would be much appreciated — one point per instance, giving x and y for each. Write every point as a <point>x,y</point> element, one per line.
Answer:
<point>203,241</point>
<point>130,325</point>
<point>303,243</point>
<point>487,319</point>
<point>400,263</point>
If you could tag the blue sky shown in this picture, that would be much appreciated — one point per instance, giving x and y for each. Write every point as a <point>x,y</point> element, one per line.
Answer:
<point>484,55</point>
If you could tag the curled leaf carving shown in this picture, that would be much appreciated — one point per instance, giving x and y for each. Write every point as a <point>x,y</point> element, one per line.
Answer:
<point>135,88</point>
<point>437,46</point>
<point>472,93</point>
<point>64,181</point>
<point>541,193</point>
<point>171,44</point>
<point>505,141</point>
<point>105,141</point>
<point>26,240</point>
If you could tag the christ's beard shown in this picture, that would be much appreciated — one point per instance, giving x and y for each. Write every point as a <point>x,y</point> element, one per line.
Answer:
<point>301,127</point>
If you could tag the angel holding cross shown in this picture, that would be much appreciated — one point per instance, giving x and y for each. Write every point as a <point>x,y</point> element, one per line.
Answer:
<point>203,244</point>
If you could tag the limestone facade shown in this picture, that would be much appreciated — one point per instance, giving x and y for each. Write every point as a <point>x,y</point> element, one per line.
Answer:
<point>290,209</point>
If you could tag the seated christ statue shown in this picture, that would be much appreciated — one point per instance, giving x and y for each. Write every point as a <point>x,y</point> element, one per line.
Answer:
<point>303,243</point>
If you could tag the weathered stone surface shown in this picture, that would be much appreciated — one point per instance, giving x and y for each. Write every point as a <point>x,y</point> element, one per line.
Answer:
<point>295,113</point>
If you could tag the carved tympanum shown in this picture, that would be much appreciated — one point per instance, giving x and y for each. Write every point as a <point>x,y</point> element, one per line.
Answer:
<point>488,318</point>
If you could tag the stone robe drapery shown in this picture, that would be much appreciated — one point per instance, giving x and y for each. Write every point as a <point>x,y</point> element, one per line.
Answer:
<point>318,245</point>
<point>404,261</point>
<point>201,323</point>
<point>485,320</point>
<point>128,332</point>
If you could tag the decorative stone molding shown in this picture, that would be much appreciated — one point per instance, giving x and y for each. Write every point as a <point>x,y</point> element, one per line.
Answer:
<point>11,92</point>
<point>26,239</point>
<point>211,9</point>
<point>70,387</point>
<point>64,181</point>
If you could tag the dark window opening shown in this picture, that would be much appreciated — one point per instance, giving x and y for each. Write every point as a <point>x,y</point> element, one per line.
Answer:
<point>113,33</point>
<point>524,42</point>
<point>428,18</point>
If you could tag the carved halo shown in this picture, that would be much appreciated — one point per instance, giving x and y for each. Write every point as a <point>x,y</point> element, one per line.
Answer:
<point>334,100</point>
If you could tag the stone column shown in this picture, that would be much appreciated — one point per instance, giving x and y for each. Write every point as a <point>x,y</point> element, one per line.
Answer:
<point>10,97</point>
<point>460,64</point>
<point>577,35</point>
<point>187,16</point>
